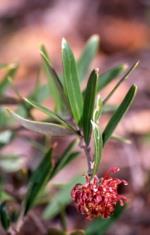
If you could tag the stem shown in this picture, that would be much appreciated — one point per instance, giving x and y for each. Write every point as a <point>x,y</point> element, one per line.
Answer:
<point>87,151</point>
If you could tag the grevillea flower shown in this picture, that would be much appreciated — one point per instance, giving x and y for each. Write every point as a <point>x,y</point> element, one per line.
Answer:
<point>98,197</point>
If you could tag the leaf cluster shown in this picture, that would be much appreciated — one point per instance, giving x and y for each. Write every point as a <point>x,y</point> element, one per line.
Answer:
<point>77,113</point>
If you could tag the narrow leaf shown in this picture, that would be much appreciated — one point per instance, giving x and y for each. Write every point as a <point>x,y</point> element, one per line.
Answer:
<point>4,217</point>
<point>121,139</point>
<point>11,71</point>
<point>88,108</point>
<point>98,142</point>
<point>87,56</point>
<point>110,75</point>
<point>38,180</point>
<point>45,128</point>
<point>125,76</point>
<point>119,113</point>
<point>71,81</point>
<point>50,113</point>
<point>55,86</point>
<point>98,109</point>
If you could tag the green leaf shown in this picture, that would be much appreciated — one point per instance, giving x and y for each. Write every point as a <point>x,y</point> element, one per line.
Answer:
<point>50,113</point>
<point>39,94</point>
<point>11,72</point>
<point>61,199</point>
<point>71,82</point>
<point>121,139</point>
<point>54,83</point>
<point>87,56</point>
<point>88,108</point>
<point>98,142</point>
<point>98,145</point>
<point>4,217</point>
<point>98,109</point>
<point>65,158</point>
<point>38,181</point>
<point>110,75</point>
<point>125,77</point>
<point>46,128</point>
<point>119,113</point>
<point>100,226</point>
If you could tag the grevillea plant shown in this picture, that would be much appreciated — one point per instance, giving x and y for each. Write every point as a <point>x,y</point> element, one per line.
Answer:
<point>77,113</point>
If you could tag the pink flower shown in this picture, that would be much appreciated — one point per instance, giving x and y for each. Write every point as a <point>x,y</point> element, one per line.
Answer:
<point>98,197</point>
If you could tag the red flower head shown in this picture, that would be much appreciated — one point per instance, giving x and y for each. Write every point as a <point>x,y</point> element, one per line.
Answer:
<point>98,197</point>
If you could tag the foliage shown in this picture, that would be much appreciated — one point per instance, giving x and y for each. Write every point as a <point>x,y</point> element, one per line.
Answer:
<point>77,113</point>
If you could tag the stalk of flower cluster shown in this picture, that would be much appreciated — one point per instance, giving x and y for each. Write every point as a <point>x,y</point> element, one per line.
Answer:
<point>87,151</point>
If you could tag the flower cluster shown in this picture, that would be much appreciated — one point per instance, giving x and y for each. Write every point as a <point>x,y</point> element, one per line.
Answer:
<point>98,197</point>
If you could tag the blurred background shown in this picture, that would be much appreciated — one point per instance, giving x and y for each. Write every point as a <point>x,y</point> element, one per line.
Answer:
<point>124,30</point>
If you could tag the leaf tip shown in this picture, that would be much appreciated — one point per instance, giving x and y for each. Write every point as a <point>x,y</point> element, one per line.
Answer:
<point>137,63</point>
<point>41,47</point>
<point>8,110</point>
<point>124,66</point>
<point>13,66</point>
<point>97,71</point>
<point>95,38</point>
<point>25,99</point>
<point>63,43</point>
<point>135,87</point>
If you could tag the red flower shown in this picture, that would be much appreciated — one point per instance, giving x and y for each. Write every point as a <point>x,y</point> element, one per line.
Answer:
<point>98,197</point>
